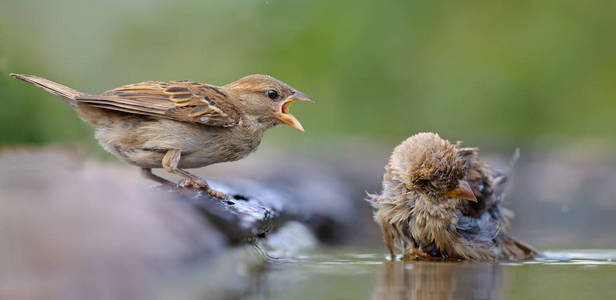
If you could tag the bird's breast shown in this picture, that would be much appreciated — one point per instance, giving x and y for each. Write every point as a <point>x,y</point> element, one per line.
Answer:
<point>434,223</point>
<point>227,144</point>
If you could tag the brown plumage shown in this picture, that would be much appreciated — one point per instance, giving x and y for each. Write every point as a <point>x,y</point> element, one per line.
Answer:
<point>441,201</point>
<point>182,124</point>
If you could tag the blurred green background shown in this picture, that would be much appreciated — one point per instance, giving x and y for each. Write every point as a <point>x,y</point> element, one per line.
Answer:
<point>492,73</point>
<point>496,74</point>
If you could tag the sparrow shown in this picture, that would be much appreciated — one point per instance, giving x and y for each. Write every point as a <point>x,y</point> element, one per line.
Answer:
<point>439,201</point>
<point>179,125</point>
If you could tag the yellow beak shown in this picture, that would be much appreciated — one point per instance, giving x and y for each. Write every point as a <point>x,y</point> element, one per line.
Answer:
<point>283,110</point>
<point>462,191</point>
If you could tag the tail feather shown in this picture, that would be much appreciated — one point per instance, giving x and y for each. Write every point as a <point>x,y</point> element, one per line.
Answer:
<point>518,250</point>
<point>67,94</point>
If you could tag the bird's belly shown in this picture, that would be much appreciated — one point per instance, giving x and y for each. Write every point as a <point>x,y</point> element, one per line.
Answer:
<point>148,141</point>
<point>440,237</point>
<point>212,154</point>
<point>147,158</point>
<point>197,160</point>
<point>142,158</point>
<point>434,229</point>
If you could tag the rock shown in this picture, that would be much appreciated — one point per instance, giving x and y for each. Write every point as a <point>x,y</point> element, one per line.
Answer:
<point>91,232</point>
<point>75,229</point>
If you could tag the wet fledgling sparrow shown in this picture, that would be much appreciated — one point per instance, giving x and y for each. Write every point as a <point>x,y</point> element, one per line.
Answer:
<point>441,201</point>
<point>179,125</point>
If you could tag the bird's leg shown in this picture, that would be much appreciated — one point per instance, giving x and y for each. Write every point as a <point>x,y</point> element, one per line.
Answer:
<point>147,172</point>
<point>388,237</point>
<point>170,163</point>
<point>445,255</point>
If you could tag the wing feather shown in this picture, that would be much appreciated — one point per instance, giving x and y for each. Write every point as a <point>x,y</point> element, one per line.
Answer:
<point>177,100</point>
<point>488,184</point>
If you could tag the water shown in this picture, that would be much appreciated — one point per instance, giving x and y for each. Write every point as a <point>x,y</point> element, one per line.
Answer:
<point>344,274</point>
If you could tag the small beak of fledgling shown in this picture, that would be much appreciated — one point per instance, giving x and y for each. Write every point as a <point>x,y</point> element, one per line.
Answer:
<point>283,110</point>
<point>462,191</point>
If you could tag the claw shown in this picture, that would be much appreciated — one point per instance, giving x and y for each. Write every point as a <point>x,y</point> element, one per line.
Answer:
<point>216,194</point>
<point>186,183</point>
<point>418,254</point>
<point>201,185</point>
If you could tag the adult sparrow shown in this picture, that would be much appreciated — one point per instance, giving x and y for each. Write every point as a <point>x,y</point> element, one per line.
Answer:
<point>441,201</point>
<point>180,124</point>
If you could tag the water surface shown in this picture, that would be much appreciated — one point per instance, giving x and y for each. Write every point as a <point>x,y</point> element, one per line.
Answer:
<point>344,274</point>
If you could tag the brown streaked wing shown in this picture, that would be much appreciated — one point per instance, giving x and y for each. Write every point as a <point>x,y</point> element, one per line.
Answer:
<point>177,100</point>
<point>488,184</point>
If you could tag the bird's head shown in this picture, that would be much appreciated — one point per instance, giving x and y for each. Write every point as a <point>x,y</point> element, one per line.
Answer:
<point>266,100</point>
<point>432,166</point>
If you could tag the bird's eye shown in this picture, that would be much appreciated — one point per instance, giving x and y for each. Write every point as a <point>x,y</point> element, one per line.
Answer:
<point>272,94</point>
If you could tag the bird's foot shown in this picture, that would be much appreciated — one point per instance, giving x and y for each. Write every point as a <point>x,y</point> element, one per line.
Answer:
<point>215,193</point>
<point>200,184</point>
<point>187,183</point>
<point>418,254</point>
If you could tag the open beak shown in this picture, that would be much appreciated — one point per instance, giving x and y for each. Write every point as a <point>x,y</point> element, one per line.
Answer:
<point>283,110</point>
<point>462,191</point>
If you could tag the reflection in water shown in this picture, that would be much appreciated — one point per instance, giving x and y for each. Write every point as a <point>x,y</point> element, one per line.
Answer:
<point>342,274</point>
<point>435,280</point>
